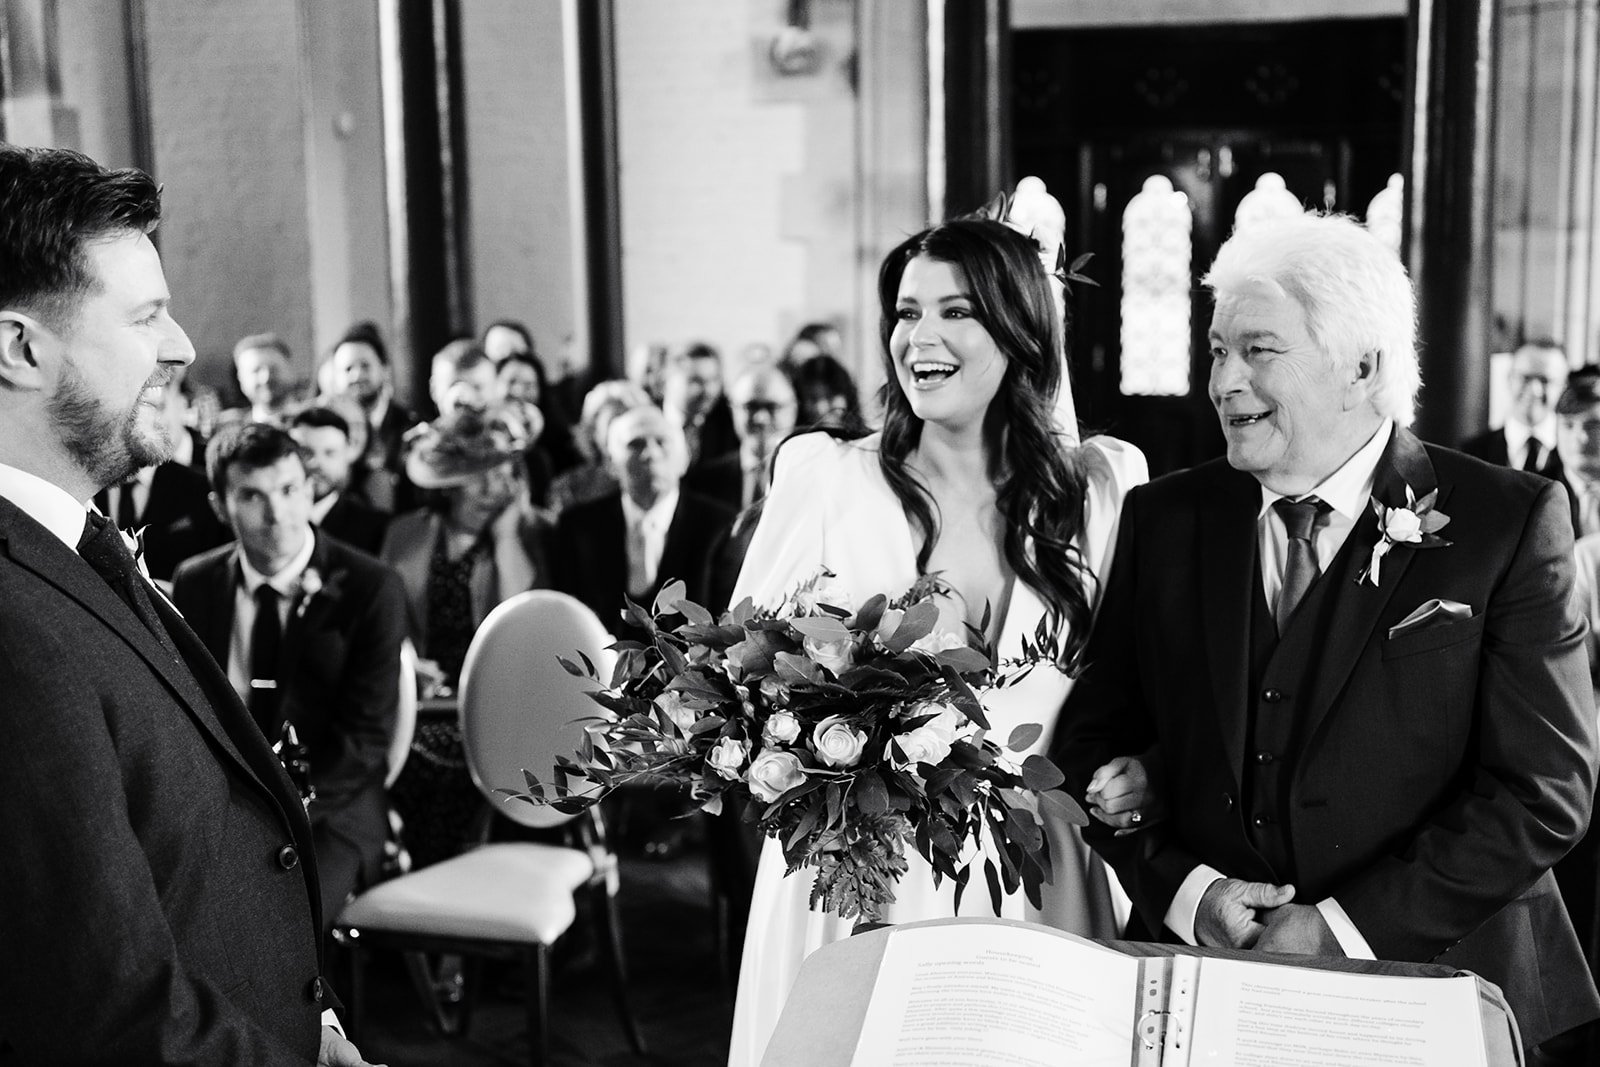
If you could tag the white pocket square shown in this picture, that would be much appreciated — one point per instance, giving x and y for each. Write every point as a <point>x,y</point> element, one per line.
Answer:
<point>1430,613</point>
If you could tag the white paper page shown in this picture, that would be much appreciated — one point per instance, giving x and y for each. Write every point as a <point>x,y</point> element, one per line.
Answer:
<point>978,994</point>
<point>1261,1015</point>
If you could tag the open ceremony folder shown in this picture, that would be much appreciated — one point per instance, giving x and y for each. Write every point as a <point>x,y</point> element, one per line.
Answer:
<point>992,991</point>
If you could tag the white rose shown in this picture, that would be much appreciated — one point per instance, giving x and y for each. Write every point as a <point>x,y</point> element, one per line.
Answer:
<point>728,757</point>
<point>671,704</point>
<point>837,656</point>
<point>810,601</point>
<point>937,641</point>
<point>889,623</point>
<point>774,774</point>
<point>781,729</point>
<point>925,744</point>
<point>1402,524</point>
<point>836,743</point>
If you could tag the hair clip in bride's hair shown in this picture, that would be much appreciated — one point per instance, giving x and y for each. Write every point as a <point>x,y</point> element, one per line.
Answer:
<point>1034,213</point>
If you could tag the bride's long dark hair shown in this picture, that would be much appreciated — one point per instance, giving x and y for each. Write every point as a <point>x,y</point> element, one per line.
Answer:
<point>1039,480</point>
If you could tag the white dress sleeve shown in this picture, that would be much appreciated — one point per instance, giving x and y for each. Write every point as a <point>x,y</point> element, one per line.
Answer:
<point>1114,467</point>
<point>790,543</point>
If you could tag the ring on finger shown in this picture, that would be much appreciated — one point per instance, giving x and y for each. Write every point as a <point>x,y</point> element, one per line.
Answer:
<point>1135,817</point>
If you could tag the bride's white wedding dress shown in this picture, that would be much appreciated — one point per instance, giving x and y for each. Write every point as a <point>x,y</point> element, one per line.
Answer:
<point>830,507</point>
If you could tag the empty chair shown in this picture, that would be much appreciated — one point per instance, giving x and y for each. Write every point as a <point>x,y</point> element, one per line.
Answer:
<point>510,899</point>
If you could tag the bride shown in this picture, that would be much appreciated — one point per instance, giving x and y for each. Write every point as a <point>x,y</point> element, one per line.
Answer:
<point>977,476</point>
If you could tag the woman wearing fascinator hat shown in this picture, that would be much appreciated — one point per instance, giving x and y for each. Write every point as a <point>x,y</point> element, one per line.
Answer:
<point>978,476</point>
<point>481,543</point>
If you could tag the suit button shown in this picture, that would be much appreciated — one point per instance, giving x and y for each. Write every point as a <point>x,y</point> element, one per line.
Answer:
<point>315,990</point>
<point>1272,696</point>
<point>1227,802</point>
<point>1263,820</point>
<point>1263,757</point>
<point>288,858</point>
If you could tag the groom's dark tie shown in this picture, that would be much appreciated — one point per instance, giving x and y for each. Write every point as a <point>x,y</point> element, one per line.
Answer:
<point>1300,562</point>
<point>102,547</point>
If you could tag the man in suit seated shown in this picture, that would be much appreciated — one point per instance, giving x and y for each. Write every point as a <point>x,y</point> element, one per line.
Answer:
<point>324,439</point>
<point>764,412</point>
<point>630,543</point>
<point>461,378</point>
<point>692,397</point>
<point>169,504</point>
<point>158,898</point>
<point>1379,735</point>
<point>264,368</point>
<point>360,371</point>
<point>309,631</point>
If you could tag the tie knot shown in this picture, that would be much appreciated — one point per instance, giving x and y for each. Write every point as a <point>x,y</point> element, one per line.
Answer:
<point>102,547</point>
<point>266,596</point>
<point>1300,516</point>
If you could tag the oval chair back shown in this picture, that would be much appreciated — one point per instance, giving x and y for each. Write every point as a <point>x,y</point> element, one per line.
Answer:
<point>405,719</point>
<point>518,704</point>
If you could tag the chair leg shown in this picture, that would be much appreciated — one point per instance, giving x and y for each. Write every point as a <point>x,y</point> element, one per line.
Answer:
<point>537,964</point>
<point>422,980</point>
<point>358,990</point>
<point>611,931</point>
<point>471,983</point>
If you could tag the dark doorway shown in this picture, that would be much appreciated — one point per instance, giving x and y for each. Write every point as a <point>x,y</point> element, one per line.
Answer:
<point>1096,112</point>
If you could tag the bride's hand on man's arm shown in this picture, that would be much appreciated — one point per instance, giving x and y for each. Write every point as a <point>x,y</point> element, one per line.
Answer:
<point>1123,794</point>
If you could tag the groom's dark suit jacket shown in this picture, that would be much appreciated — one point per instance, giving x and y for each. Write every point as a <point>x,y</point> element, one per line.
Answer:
<point>158,897</point>
<point>339,674</point>
<point>1427,781</point>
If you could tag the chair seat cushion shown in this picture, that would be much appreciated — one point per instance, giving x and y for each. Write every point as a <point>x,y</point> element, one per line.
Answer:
<point>516,891</point>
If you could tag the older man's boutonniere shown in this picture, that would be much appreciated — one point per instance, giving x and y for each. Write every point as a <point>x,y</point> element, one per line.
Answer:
<point>1416,525</point>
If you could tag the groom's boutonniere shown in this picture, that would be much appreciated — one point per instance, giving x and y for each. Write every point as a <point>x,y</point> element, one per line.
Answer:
<point>1417,525</point>
<point>134,539</point>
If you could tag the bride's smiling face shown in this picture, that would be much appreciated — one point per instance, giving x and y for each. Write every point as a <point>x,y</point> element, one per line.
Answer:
<point>947,364</point>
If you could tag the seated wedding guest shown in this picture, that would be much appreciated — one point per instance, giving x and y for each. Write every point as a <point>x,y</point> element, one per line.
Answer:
<point>828,396</point>
<point>1578,447</point>
<point>324,439</point>
<point>763,404</point>
<point>521,377</point>
<point>505,338</point>
<point>592,479</point>
<point>812,340</point>
<point>461,378</point>
<point>264,368</point>
<point>482,543</point>
<point>632,542</point>
<point>1386,737</point>
<point>188,445</point>
<point>309,632</point>
<point>169,504</point>
<point>361,371</point>
<point>692,397</point>
<point>1527,441</point>
<point>158,896</point>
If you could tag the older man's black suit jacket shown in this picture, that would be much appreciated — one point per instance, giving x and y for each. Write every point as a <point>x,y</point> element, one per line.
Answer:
<point>589,553</point>
<point>158,895</point>
<point>1426,781</point>
<point>339,675</point>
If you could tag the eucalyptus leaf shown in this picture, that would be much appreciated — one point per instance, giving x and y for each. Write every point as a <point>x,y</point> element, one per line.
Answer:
<point>794,669</point>
<point>918,622</point>
<point>1064,806</point>
<point>1024,736</point>
<point>822,628</point>
<point>667,599</point>
<point>1039,774</point>
<point>964,659</point>
<point>871,796</point>
<point>871,613</point>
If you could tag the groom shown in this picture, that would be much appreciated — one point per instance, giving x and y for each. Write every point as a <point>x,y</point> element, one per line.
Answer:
<point>1376,741</point>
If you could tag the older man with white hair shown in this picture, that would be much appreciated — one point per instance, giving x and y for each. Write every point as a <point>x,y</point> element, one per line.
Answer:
<point>1356,652</point>
<point>634,541</point>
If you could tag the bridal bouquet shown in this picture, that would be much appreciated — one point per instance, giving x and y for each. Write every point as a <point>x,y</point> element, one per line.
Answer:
<point>850,733</point>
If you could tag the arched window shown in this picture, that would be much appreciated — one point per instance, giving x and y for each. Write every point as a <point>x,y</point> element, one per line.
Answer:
<point>1156,231</point>
<point>1270,199</point>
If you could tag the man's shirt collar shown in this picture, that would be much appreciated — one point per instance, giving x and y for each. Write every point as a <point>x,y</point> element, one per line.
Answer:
<point>286,581</point>
<point>1347,489</point>
<point>46,503</point>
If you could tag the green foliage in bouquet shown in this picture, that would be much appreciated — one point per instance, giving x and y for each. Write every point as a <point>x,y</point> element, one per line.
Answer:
<point>849,733</point>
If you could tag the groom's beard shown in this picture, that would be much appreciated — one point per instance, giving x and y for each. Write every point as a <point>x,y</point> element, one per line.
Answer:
<point>107,444</point>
